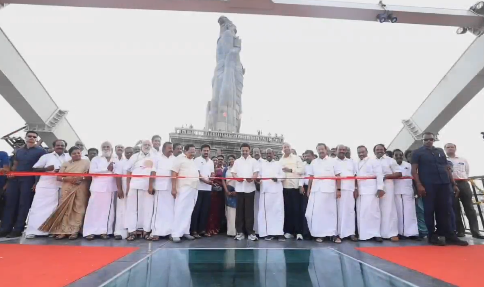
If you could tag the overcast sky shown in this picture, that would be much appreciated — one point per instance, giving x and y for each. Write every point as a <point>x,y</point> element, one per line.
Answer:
<point>125,75</point>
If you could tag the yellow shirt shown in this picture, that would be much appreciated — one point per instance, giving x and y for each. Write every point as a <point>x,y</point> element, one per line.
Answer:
<point>295,163</point>
<point>186,167</point>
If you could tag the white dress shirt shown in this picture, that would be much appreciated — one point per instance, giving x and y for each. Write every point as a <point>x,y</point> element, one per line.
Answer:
<point>369,167</point>
<point>206,168</point>
<point>163,167</point>
<point>347,167</point>
<point>404,186</point>
<point>271,169</point>
<point>122,168</point>
<point>324,167</point>
<point>460,167</point>
<point>141,164</point>
<point>388,165</point>
<point>47,160</point>
<point>100,164</point>
<point>245,168</point>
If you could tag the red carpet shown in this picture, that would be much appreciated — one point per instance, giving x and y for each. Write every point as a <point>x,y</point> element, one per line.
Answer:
<point>461,266</point>
<point>51,265</point>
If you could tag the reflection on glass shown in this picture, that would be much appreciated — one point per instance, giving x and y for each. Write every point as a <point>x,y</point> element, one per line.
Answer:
<point>252,268</point>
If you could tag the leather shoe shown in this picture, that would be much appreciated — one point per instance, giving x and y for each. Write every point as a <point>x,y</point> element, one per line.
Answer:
<point>4,233</point>
<point>378,239</point>
<point>478,236</point>
<point>459,234</point>
<point>454,240</point>
<point>14,234</point>
<point>437,240</point>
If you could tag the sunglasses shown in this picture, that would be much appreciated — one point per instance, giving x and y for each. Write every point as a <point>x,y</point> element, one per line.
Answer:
<point>426,140</point>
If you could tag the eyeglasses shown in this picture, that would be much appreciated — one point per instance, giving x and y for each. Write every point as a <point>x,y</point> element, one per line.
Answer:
<point>426,140</point>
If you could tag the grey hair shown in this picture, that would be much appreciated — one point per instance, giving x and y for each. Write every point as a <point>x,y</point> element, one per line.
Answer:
<point>106,142</point>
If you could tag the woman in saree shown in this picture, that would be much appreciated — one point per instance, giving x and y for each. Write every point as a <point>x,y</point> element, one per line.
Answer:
<point>67,219</point>
<point>216,198</point>
<point>231,200</point>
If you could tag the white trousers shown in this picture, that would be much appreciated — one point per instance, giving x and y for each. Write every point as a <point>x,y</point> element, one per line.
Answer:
<point>120,223</point>
<point>389,219</point>
<point>184,204</point>
<point>346,214</point>
<point>271,214</point>
<point>44,204</point>
<point>321,214</point>
<point>139,210</point>
<point>256,211</point>
<point>369,216</point>
<point>100,214</point>
<point>230,214</point>
<point>163,213</point>
<point>407,216</point>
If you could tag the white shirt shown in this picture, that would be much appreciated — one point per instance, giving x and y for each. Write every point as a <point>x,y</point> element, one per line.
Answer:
<point>140,164</point>
<point>370,167</point>
<point>122,168</point>
<point>324,167</point>
<point>245,168</point>
<point>186,167</point>
<point>271,169</point>
<point>404,186</point>
<point>155,152</point>
<point>47,160</point>
<point>388,165</point>
<point>347,167</point>
<point>460,167</point>
<point>163,167</point>
<point>307,168</point>
<point>206,168</point>
<point>99,164</point>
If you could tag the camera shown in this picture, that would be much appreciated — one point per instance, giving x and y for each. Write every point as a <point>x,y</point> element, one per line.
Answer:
<point>386,16</point>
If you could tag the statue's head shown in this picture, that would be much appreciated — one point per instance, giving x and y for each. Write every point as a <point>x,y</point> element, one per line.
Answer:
<point>226,24</point>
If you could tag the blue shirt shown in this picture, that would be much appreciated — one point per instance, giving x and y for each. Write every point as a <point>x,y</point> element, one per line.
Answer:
<point>27,157</point>
<point>4,161</point>
<point>432,165</point>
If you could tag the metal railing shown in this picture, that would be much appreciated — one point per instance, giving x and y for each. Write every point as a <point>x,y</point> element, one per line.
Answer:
<point>229,135</point>
<point>477,185</point>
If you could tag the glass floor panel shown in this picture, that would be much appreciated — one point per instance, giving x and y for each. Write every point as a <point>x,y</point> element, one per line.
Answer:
<point>253,268</point>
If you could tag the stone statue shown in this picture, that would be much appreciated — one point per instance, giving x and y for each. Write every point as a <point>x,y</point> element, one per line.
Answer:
<point>225,109</point>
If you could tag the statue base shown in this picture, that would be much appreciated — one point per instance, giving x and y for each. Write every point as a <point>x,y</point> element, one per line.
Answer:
<point>226,143</point>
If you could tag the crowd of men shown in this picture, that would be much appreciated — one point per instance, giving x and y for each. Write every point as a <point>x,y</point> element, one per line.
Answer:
<point>315,196</point>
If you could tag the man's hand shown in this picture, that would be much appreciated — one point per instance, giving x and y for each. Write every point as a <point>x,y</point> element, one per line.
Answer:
<point>240,179</point>
<point>111,166</point>
<point>249,179</point>
<point>120,194</point>
<point>285,169</point>
<point>151,190</point>
<point>50,168</point>
<point>380,193</point>
<point>33,187</point>
<point>338,194</point>
<point>274,179</point>
<point>421,190</point>
<point>301,190</point>
<point>173,192</point>
<point>456,191</point>
<point>356,194</point>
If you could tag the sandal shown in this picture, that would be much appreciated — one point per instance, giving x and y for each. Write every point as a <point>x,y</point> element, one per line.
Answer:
<point>155,238</point>
<point>131,236</point>
<point>196,235</point>
<point>319,240</point>
<point>118,237</point>
<point>353,238</point>
<point>74,236</point>
<point>104,236</point>
<point>146,236</point>
<point>60,237</point>
<point>89,237</point>
<point>336,239</point>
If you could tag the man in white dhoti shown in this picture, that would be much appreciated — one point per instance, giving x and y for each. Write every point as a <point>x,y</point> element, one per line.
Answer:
<point>185,191</point>
<point>100,212</point>
<point>46,196</point>
<point>388,209</point>
<point>405,200</point>
<point>369,193</point>
<point>346,203</point>
<point>164,202</point>
<point>139,204</point>
<point>256,154</point>
<point>271,205</point>
<point>308,157</point>
<point>120,229</point>
<point>321,212</point>
<point>156,142</point>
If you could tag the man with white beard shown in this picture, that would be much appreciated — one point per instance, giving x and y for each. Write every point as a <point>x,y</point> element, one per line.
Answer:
<point>164,202</point>
<point>321,212</point>
<point>257,156</point>
<point>185,191</point>
<point>370,191</point>
<point>271,207</point>
<point>120,227</point>
<point>346,203</point>
<point>391,170</point>
<point>46,196</point>
<point>100,211</point>
<point>140,200</point>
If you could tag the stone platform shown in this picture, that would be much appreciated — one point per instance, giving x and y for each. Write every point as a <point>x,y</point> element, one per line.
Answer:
<point>225,143</point>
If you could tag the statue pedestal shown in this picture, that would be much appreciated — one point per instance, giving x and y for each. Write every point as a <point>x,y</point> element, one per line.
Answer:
<point>225,143</point>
